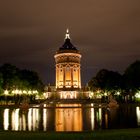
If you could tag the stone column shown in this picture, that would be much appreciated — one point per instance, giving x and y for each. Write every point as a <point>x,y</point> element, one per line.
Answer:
<point>71,68</point>
<point>79,77</point>
<point>57,76</point>
<point>64,76</point>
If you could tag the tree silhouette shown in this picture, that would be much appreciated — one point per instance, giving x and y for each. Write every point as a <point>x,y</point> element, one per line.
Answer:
<point>132,76</point>
<point>106,80</point>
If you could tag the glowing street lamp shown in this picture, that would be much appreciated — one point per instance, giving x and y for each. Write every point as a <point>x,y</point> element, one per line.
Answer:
<point>137,95</point>
<point>20,92</point>
<point>29,92</point>
<point>16,91</point>
<point>24,91</point>
<point>13,91</point>
<point>118,93</point>
<point>35,91</point>
<point>6,92</point>
<point>105,94</point>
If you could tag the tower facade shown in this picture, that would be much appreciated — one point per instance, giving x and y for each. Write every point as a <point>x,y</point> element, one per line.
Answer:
<point>68,69</point>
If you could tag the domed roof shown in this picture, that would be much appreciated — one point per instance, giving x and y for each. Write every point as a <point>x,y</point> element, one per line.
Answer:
<point>67,46</point>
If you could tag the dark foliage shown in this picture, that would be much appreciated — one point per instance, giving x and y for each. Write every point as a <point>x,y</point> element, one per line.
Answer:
<point>12,77</point>
<point>106,80</point>
<point>132,76</point>
<point>109,80</point>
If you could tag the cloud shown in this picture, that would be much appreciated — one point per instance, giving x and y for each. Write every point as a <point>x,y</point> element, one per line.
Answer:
<point>106,33</point>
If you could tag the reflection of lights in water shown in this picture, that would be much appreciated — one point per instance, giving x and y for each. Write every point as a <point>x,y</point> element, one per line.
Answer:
<point>33,119</point>
<point>17,122</point>
<point>30,119</point>
<point>68,119</point>
<point>45,119</point>
<point>138,115</point>
<point>100,116</point>
<point>6,119</point>
<point>24,122</point>
<point>15,119</point>
<point>106,120</point>
<point>68,105</point>
<point>37,118</point>
<point>92,118</point>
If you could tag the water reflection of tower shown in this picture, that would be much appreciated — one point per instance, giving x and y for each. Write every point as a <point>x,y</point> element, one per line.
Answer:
<point>68,119</point>
<point>68,71</point>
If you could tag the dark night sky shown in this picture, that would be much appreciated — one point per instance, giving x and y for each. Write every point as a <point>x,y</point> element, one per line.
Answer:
<point>107,32</point>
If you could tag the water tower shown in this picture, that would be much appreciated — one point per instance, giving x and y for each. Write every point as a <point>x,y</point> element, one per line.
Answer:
<point>68,70</point>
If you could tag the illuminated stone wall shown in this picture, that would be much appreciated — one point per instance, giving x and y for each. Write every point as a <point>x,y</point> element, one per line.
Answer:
<point>68,73</point>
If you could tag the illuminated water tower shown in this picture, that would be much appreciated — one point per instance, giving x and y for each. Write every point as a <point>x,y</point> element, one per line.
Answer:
<point>68,70</point>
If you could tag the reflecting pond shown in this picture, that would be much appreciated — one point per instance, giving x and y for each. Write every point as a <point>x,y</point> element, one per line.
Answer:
<point>69,117</point>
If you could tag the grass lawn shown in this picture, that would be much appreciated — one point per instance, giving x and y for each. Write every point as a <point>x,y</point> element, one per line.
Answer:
<point>120,134</point>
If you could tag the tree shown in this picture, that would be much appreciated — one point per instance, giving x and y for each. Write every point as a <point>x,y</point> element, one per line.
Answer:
<point>1,82</point>
<point>106,80</point>
<point>14,78</point>
<point>10,76</point>
<point>132,76</point>
<point>31,80</point>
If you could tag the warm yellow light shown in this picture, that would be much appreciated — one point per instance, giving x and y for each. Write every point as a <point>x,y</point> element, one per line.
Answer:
<point>66,119</point>
<point>137,95</point>
<point>6,119</point>
<point>98,91</point>
<point>67,36</point>
<point>35,91</point>
<point>105,94</point>
<point>24,91</point>
<point>16,91</point>
<point>29,92</point>
<point>45,119</point>
<point>46,95</point>
<point>118,93</point>
<point>15,119</point>
<point>138,114</point>
<point>13,91</point>
<point>6,92</point>
<point>92,118</point>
